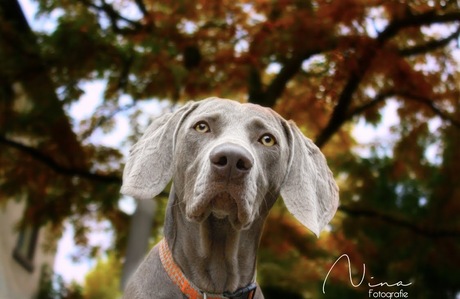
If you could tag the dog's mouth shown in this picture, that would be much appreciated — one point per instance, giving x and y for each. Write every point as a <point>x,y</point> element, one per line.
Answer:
<point>221,206</point>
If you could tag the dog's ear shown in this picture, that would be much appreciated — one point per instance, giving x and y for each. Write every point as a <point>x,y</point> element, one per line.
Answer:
<point>150,163</point>
<point>309,189</point>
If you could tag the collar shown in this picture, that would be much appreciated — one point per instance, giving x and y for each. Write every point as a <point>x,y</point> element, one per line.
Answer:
<point>188,288</point>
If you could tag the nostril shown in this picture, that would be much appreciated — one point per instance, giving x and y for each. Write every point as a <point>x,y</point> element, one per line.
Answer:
<point>243,165</point>
<point>222,161</point>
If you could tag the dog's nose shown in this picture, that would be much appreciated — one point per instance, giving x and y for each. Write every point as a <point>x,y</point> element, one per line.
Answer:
<point>230,160</point>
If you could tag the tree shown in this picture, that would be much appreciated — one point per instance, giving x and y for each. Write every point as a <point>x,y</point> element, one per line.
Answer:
<point>52,286</point>
<point>325,64</point>
<point>103,281</point>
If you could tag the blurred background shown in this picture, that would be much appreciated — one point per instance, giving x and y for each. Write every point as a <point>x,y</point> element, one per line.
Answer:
<point>375,84</point>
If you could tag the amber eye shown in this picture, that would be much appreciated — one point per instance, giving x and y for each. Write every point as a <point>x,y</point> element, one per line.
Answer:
<point>267,140</point>
<point>202,127</point>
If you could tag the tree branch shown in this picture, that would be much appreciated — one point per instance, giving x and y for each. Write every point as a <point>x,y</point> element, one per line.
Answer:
<point>427,18</point>
<point>277,86</point>
<point>102,119</point>
<point>430,104</point>
<point>56,167</point>
<point>274,90</point>
<point>423,230</point>
<point>379,98</point>
<point>430,46</point>
<point>141,5</point>
<point>255,87</point>
<point>288,71</point>
<point>340,112</point>
<point>115,17</point>
<point>390,93</point>
<point>36,85</point>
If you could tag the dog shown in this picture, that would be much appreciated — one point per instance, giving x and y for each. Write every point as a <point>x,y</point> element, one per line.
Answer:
<point>229,162</point>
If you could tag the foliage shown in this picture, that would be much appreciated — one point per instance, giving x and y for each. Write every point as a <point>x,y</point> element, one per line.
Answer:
<point>328,65</point>
<point>52,286</point>
<point>103,281</point>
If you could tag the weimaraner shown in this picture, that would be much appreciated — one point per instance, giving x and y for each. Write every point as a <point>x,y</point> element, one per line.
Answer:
<point>229,162</point>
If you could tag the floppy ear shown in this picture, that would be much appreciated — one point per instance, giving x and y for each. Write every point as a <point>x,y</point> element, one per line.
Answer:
<point>309,189</point>
<point>150,163</point>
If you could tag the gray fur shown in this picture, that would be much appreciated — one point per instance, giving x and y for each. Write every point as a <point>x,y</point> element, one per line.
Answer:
<point>213,223</point>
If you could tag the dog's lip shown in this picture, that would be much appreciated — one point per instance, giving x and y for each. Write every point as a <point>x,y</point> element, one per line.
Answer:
<point>219,214</point>
<point>221,205</point>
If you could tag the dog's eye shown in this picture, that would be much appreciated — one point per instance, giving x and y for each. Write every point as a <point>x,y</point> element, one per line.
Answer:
<point>267,140</point>
<point>202,127</point>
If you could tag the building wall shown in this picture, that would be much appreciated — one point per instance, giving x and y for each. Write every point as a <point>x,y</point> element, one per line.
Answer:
<point>16,282</point>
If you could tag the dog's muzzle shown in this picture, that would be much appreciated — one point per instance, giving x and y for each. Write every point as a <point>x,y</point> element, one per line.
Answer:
<point>225,189</point>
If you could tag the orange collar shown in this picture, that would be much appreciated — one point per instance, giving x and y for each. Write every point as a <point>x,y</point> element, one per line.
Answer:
<point>188,288</point>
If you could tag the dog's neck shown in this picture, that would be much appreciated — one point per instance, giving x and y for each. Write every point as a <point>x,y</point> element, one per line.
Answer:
<point>213,255</point>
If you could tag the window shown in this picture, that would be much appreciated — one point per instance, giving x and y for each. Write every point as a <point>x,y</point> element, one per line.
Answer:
<point>25,247</point>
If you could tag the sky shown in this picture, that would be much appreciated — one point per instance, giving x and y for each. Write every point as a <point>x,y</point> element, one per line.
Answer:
<point>64,265</point>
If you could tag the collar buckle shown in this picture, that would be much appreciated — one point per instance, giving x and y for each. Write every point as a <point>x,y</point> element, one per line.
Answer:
<point>243,293</point>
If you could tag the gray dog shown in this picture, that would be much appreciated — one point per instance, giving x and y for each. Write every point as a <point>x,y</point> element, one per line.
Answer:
<point>229,163</point>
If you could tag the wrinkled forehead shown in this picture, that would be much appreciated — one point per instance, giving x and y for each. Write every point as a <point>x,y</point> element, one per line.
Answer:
<point>233,112</point>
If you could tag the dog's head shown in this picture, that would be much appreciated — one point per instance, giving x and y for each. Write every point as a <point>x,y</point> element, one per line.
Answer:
<point>232,160</point>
